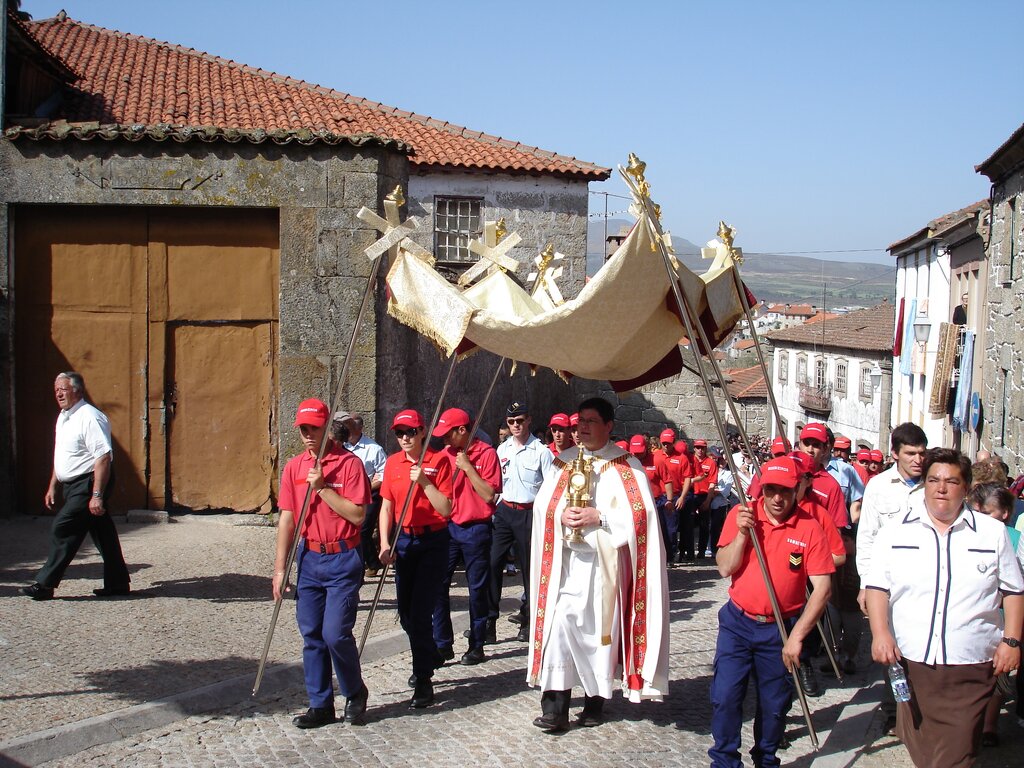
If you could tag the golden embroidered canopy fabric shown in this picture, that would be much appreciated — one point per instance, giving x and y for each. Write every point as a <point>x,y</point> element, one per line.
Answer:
<point>623,326</point>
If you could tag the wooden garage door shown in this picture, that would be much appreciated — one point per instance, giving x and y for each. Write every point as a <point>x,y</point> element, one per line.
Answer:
<point>150,305</point>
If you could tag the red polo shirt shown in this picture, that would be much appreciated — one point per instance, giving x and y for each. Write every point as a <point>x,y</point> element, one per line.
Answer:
<point>707,466</point>
<point>343,473</point>
<point>657,473</point>
<point>396,485</point>
<point>827,492</point>
<point>794,550</point>
<point>468,507</point>
<point>832,535</point>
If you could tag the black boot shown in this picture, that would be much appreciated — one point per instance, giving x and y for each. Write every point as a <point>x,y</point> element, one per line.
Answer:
<point>593,712</point>
<point>555,708</point>
<point>423,694</point>
<point>315,717</point>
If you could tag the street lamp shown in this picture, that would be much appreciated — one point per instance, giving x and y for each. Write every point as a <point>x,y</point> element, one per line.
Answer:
<point>922,329</point>
<point>876,377</point>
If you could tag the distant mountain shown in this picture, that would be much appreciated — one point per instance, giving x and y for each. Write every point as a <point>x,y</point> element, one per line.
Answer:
<point>774,278</point>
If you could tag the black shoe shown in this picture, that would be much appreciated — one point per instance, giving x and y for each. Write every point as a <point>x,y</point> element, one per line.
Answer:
<point>412,681</point>
<point>443,654</point>
<point>315,717</point>
<point>519,618</point>
<point>112,591</point>
<point>423,695</point>
<point>552,722</point>
<point>37,592</point>
<point>473,656</point>
<point>593,712</point>
<point>490,632</point>
<point>355,707</point>
<point>808,680</point>
<point>524,635</point>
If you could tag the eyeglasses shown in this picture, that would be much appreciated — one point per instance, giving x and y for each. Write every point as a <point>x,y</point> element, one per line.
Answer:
<point>516,420</point>
<point>400,433</point>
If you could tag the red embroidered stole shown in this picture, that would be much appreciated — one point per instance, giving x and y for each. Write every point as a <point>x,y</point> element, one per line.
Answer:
<point>546,562</point>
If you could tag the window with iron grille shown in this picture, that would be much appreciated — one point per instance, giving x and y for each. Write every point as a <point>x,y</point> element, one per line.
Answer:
<point>819,373</point>
<point>456,223</point>
<point>866,389</point>
<point>841,377</point>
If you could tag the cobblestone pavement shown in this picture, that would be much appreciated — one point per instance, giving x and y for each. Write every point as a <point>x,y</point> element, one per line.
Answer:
<point>198,616</point>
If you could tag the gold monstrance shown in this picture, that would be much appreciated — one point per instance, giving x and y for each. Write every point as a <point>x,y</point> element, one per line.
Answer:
<point>578,495</point>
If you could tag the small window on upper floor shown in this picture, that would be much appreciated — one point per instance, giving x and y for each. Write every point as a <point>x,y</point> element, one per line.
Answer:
<point>456,222</point>
<point>841,376</point>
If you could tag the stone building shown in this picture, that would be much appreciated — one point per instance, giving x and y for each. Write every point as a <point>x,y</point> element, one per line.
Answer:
<point>823,372</point>
<point>182,230</point>
<point>1002,393</point>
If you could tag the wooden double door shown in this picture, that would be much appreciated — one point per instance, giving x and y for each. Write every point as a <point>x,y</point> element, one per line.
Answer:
<point>171,317</point>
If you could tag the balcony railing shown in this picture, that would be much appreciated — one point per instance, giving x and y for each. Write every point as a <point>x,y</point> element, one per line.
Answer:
<point>816,399</point>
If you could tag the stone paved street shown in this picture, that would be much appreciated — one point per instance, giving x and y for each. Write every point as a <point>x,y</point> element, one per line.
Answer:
<point>85,669</point>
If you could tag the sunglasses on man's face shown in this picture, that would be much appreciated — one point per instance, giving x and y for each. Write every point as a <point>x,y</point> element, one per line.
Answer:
<point>516,420</point>
<point>400,433</point>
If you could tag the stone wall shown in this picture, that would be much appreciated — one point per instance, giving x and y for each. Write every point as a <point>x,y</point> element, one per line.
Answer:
<point>317,189</point>
<point>1003,390</point>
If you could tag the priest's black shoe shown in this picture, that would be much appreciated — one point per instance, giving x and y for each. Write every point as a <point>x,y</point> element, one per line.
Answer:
<point>355,707</point>
<point>473,656</point>
<point>112,591</point>
<point>37,592</point>
<point>552,722</point>
<point>423,695</point>
<point>593,712</point>
<point>555,708</point>
<point>315,717</point>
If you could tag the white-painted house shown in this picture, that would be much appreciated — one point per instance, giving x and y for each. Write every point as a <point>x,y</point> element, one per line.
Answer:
<point>823,372</point>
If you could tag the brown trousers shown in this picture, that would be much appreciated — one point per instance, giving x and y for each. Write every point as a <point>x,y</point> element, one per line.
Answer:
<point>941,724</point>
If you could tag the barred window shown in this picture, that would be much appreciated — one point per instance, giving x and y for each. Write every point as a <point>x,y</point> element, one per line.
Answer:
<point>783,367</point>
<point>456,223</point>
<point>866,390</point>
<point>819,373</point>
<point>801,369</point>
<point>841,377</point>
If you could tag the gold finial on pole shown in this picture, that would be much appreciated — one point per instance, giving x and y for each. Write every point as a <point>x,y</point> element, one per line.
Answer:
<point>636,168</point>
<point>396,196</point>
<point>727,235</point>
<point>500,230</point>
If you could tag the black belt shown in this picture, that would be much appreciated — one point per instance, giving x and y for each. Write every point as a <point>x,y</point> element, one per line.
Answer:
<point>517,504</point>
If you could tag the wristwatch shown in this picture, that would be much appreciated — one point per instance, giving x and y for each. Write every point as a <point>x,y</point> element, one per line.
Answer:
<point>1012,642</point>
<point>97,495</point>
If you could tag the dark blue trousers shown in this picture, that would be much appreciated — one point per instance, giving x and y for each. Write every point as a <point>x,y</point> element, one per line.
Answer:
<point>511,526</point>
<point>419,573</point>
<point>669,520</point>
<point>326,598</point>
<point>472,544</point>
<point>748,649</point>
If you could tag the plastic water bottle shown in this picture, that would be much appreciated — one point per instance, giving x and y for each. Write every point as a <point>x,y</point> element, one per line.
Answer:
<point>898,682</point>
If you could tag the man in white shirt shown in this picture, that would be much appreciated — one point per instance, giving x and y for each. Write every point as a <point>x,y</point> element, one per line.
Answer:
<point>82,466</point>
<point>939,574</point>
<point>525,461</point>
<point>347,429</point>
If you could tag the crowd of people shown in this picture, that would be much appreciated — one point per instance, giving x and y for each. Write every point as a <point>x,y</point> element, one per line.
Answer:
<point>813,538</point>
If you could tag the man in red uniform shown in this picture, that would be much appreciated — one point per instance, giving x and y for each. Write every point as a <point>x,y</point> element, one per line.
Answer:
<point>779,447</point>
<point>749,642</point>
<point>683,470</point>
<point>824,488</point>
<point>574,432</point>
<point>706,471</point>
<point>561,438</point>
<point>330,564</point>
<point>861,465</point>
<point>477,480</point>
<point>876,461</point>
<point>421,549</point>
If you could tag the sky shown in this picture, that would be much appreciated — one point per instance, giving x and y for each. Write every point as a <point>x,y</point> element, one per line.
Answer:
<point>828,129</point>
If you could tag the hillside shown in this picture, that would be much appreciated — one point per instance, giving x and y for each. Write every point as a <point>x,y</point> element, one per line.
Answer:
<point>775,278</point>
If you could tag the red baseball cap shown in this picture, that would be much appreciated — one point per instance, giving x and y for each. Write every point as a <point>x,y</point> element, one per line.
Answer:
<point>781,471</point>
<point>638,444</point>
<point>681,446</point>
<point>450,419</point>
<point>407,418</point>
<point>559,420</point>
<point>574,419</point>
<point>312,412</point>
<point>814,431</point>
<point>804,463</point>
<point>876,455</point>
<point>667,436</point>
<point>700,443</point>
<point>863,455</point>
<point>622,444</point>
<point>779,446</point>
<point>843,443</point>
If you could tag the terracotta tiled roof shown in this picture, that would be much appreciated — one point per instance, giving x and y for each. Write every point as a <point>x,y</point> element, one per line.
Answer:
<point>942,223</point>
<point>743,344</point>
<point>799,310</point>
<point>819,316</point>
<point>746,382</point>
<point>1005,159</point>
<point>866,329</point>
<point>132,83</point>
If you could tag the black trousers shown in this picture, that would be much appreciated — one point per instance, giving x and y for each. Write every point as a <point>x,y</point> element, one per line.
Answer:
<point>510,525</point>
<point>370,535</point>
<point>70,527</point>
